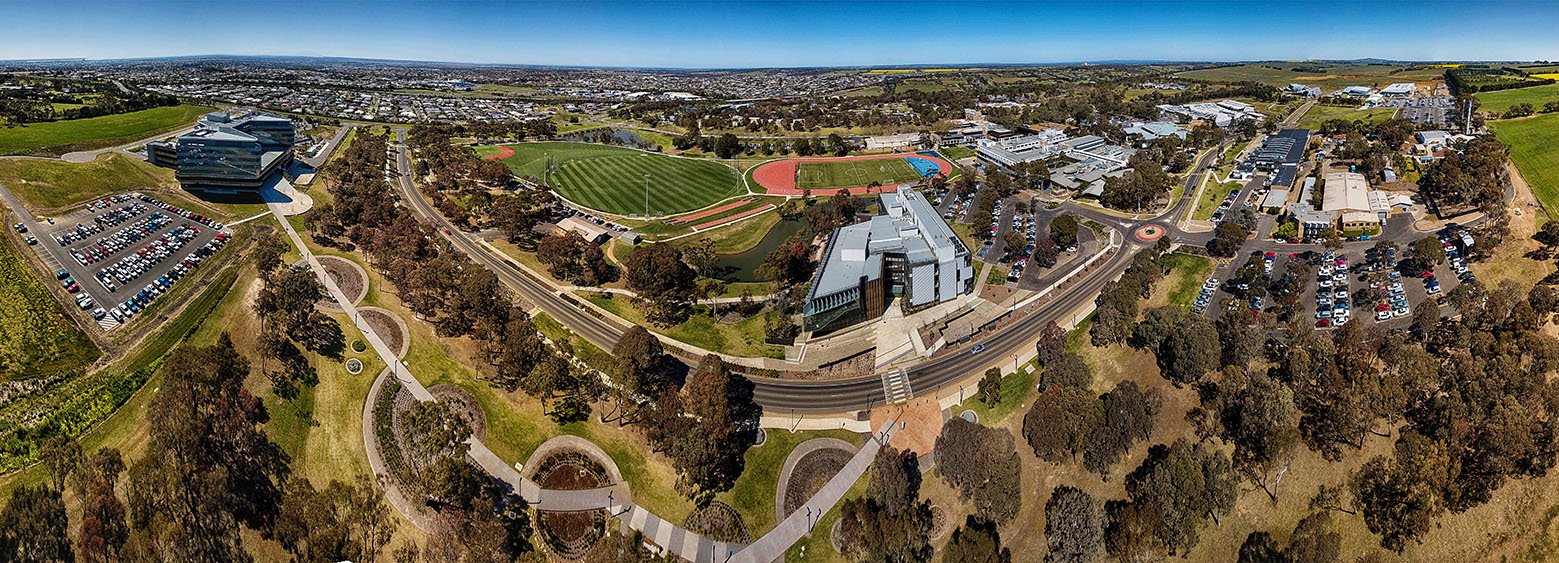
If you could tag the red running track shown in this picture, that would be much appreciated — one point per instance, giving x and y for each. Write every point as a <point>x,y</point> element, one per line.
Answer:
<point>779,177</point>
<point>715,211</point>
<point>722,221</point>
<point>503,152</point>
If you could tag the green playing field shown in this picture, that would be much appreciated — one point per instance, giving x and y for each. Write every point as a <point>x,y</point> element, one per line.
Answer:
<point>612,179</point>
<point>854,173</point>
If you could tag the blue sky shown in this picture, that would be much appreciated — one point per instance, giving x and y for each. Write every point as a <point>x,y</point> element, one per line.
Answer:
<point>756,34</point>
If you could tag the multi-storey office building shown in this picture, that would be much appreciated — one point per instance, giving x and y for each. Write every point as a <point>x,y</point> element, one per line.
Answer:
<point>227,153</point>
<point>906,251</point>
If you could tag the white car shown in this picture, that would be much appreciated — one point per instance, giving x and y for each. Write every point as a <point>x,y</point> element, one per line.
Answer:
<point>1402,312</point>
<point>1383,314</point>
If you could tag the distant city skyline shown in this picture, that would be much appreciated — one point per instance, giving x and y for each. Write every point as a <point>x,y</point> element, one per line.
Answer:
<point>784,34</point>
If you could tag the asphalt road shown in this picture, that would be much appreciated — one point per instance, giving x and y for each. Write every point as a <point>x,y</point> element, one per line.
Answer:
<point>773,393</point>
<point>800,396</point>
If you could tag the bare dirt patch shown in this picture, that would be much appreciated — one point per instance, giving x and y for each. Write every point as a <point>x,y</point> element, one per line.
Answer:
<point>388,329</point>
<point>464,404</point>
<point>348,276</point>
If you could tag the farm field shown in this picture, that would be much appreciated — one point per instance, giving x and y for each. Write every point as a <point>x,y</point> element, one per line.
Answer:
<point>853,173</point>
<point>1319,114</point>
<point>611,179</point>
<point>1335,76</point>
<point>1534,147</point>
<point>36,338</point>
<point>51,184</point>
<point>59,137</point>
<point>1498,101</point>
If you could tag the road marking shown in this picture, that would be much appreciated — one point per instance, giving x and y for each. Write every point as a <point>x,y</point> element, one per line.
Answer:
<point>895,386</point>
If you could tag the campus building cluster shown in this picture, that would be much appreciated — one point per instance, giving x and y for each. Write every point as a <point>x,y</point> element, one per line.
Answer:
<point>1347,204</point>
<point>907,251</point>
<point>1224,113</point>
<point>1092,158</point>
<point>226,152</point>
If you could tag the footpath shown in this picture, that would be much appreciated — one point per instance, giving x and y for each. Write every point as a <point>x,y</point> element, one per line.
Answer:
<point>616,500</point>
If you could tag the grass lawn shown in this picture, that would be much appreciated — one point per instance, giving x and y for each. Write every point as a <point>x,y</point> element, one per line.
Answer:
<point>996,274</point>
<point>1498,101</point>
<point>1319,114</point>
<point>753,494</point>
<point>1187,274</point>
<point>828,175</point>
<point>818,547</point>
<point>587,352</point>
<point>1212,195</point>
<point>52,184</point>
<point>36,336</point>
<point>736,239</point>
<point>955,152</point>
<point>1332,77</point>
<point>611,179</point>
<point>59,137</point>
<point>1534,147</point>
<point>115,420</point>
<point>744,338</point>
<point>1016,389</point>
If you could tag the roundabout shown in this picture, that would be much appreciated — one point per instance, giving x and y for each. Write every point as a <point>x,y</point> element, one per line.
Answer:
<point>1150,233</point>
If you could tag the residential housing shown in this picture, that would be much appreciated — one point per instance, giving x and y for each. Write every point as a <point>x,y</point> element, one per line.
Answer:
<point>906,252</point>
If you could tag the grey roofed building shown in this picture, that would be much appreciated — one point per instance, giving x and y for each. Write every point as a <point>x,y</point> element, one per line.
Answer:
<point>227,153</point>
<point>1355,91</point>
<point>1274,200</point>
<point>1312,222</point>
<point>1153,130</point>
<point>906,251</point>
<point>1027,148</point>
<point>1087,176</point>
<point>1302,90</point>
<point>1284,147</point>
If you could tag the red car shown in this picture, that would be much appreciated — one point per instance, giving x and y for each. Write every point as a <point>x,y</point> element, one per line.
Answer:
<point>1323,323</point>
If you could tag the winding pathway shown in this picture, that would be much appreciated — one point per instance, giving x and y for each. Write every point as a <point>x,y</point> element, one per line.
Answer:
<point>616,499</point>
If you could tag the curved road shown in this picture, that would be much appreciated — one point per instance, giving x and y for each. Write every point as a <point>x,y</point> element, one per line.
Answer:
<point>830,396</point>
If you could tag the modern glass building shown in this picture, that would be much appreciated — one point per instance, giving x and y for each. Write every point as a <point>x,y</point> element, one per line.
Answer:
<point>908,251</point>
<point>231,154</point>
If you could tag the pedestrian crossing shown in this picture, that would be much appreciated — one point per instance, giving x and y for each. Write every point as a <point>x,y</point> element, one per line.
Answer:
<point>896,387</point>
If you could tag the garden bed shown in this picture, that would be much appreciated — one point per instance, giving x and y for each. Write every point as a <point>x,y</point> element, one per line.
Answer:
<point>811,473</point>
<point>719,522</point>
<point>348,276</point>
<point>464,404</point>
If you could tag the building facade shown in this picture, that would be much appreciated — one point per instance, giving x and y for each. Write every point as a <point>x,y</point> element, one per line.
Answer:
<point>905,252</point>
<point>227,153</point>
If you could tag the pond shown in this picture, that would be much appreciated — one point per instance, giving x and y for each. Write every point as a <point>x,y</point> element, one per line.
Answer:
<point>743,267</point>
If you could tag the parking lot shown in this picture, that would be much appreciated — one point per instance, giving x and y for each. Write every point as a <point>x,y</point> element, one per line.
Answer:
<point>1436,111</point>
<point>122,252</point>
<point>1334,287</point>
